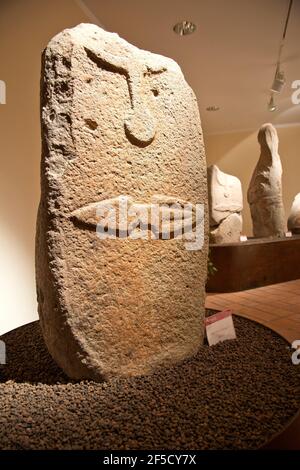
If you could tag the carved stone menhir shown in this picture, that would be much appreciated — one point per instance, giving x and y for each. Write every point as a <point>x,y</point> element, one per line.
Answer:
<point>294,217</point>
<point>118,124</point>
<point>225,206</point>
<point>265,189</point>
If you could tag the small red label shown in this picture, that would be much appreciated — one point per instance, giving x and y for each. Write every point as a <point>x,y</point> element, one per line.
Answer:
<point>218,316</point>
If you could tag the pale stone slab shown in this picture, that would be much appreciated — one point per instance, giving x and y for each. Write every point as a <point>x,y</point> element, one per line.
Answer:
<point>294,217</point>
<point>225,199</point>
<point>229,230</point>
<point>118,123</point>
<point>265,189</point>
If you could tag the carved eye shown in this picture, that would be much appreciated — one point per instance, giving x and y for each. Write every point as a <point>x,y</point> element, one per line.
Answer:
<point>155,92</point>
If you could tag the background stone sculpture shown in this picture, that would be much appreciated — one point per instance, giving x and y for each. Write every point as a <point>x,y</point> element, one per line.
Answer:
<point>294,217</point>
<point>118,123</point>
<point>265,189</point>
<point>225,206</point>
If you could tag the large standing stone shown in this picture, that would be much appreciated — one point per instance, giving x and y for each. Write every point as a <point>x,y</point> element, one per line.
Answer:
<point>118,124</point>
<point>265,189</point>
<point>225,206</point>
<point>294,217</point>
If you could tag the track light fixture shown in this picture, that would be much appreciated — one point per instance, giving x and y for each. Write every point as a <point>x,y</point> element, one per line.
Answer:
<point>271,105</point>
<point>279,81</point>
<point>279,78</point>
<point>184,27</point>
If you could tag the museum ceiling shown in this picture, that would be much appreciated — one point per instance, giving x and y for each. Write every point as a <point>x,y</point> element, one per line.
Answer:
<point>230,59</point>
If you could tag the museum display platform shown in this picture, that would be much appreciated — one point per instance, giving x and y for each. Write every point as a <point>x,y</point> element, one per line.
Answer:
<point>254,263</point>
<point>235,395</point>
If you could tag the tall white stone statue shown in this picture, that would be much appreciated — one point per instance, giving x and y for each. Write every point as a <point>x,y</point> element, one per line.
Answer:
<point>225,206</point>
<point>265,189</point>
<point>294,218</point>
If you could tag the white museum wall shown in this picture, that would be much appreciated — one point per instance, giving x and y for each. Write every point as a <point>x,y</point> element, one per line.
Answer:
<point>237,154</point>
<point>24,26</point>
<point>25,29</point>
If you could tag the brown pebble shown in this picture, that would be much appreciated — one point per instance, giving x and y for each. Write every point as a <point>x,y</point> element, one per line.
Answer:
<point>235,395</point>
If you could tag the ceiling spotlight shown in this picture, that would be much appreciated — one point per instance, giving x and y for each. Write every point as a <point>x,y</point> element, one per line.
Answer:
<point>279,78</point>
<point>212,108</point>
<point>184,27</point>
<point>279,81</point>
<point>271,105</point>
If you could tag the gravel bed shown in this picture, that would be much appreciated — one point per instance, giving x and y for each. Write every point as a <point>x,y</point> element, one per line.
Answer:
<point>235,395</point>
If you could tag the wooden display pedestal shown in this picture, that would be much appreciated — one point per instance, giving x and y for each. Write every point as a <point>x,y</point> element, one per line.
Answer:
<point>255,263</point>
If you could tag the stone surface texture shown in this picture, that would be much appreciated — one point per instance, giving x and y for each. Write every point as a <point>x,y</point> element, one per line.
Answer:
<point>229,230</point>
<point>265,189</point>
<point>294,217</point>
<point>116,122</point>
<point>225,206</point>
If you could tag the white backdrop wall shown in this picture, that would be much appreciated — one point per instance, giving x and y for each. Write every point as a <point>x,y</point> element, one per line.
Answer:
<point>25,29</point>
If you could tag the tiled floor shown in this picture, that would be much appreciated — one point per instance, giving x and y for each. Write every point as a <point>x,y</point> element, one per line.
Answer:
<point>276,306</point>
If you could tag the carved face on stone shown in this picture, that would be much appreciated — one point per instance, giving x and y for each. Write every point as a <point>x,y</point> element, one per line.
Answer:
<point>225,194</point>
<point>116,121</point>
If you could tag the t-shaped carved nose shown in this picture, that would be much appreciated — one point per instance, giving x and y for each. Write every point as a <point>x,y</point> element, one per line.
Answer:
<point>140,125</point>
